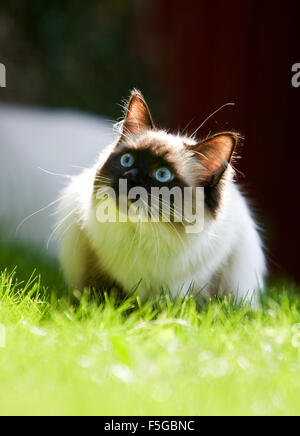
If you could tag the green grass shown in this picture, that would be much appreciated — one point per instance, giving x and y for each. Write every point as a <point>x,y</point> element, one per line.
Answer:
<point>65,353</point>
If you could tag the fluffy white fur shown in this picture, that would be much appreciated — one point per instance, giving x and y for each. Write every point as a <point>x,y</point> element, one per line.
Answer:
<point>226,256</point>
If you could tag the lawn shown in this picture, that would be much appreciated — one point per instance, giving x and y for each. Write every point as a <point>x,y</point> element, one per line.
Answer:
<point>62,352</point>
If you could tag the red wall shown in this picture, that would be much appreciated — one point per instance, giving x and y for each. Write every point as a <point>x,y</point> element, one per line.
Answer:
<point>206,53</point>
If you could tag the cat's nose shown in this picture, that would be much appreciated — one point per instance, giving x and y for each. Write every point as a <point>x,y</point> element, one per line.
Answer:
<point>132,174</point>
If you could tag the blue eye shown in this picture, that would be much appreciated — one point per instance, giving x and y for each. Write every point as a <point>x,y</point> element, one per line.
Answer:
<point>163,175</point>
<point>127,160</point>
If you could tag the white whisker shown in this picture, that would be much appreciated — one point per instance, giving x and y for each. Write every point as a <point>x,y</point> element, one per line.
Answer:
<point>35,213</point>
<point>211,115</point>
<point>59,225</point>
<point>67,176</point>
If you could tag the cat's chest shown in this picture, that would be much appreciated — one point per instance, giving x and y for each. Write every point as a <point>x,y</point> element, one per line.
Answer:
<point>140,255</point>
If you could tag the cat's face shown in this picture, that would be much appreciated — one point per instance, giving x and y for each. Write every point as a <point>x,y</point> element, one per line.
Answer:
<point>148,158</point>
<point>151,159</point>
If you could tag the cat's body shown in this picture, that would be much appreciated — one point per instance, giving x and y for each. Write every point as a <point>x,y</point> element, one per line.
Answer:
<point>228,256</point>
<point>225,257</point>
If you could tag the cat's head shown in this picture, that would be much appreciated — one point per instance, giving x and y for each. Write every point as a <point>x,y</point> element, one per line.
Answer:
<point>148,158</point>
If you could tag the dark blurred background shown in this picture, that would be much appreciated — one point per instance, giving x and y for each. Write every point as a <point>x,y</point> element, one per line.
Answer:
<point>188,58</point>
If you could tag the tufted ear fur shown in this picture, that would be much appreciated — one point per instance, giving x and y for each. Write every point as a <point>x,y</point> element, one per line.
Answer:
<point>137,116</point>
<point>214,154</point>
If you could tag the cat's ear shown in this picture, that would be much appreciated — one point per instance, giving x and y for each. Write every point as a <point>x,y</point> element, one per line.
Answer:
<point>215,154</point>
<point>137,115</point>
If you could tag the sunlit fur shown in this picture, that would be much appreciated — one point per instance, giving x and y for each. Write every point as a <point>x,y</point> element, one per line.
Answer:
<point>144,258</point>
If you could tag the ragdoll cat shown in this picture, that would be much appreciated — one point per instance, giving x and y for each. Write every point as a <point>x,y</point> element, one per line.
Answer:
<point>224,257</point>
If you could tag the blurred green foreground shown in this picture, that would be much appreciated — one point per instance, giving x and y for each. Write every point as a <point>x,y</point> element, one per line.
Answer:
<point>63,353</point>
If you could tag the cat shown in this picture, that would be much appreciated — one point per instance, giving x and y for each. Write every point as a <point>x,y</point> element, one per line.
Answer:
<point>142,257</point>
